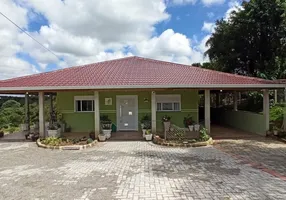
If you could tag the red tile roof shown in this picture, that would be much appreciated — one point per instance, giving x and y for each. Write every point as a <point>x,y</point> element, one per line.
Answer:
<point>131,72</point>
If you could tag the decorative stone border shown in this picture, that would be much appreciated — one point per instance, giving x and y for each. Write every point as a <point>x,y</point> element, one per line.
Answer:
<point>160,141</point>
<point>70,147</point>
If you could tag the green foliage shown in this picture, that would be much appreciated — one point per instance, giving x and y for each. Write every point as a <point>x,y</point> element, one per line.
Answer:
<point>252,41</point>
<point>204,136</point>
<point>145,118</point>
<point>52,141</point>
<point>11,114</point>
<point>166,118</point>
<point>148,132</point>
<point>276,115</point>
<point>89,140</point>
<point>188,120</point>
<point>105,119</point>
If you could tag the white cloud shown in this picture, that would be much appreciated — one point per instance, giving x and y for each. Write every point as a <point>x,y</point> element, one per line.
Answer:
<point>233,6</point>
<point>170,46</point>
<point>102,32</point>
<point>210,15</point>
<point>12,66</point>
<point>212,2</point>
<point>208,27</point>
<point>182,2</point>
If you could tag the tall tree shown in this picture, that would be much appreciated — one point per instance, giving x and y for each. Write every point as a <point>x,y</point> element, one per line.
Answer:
<point>252,41</point>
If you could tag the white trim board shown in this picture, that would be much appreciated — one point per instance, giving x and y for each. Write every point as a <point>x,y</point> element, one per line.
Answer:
<point>200,86</point>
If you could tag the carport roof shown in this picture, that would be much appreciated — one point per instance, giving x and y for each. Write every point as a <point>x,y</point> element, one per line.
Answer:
<point>133,72</point>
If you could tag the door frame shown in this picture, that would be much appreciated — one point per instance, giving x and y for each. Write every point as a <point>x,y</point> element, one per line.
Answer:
<point>118,97</point>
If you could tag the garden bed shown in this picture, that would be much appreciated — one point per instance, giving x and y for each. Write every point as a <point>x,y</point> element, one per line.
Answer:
<point>65,144</point>
<point>184,143</point>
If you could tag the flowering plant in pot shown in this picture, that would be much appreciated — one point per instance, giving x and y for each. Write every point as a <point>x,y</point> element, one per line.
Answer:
<point>106,125</point>
<point>189,123</point>
<point>148,135</point>
<point>166,121</point>
<point>101,137</point>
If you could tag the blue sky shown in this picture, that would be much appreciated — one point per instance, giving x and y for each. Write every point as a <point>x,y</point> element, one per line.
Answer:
<point>81,32</point>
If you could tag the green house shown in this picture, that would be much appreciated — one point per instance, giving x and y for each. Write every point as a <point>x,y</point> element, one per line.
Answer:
<point>129,88</point>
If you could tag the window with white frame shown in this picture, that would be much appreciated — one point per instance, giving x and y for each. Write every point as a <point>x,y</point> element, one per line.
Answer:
<point>168,102</point>
<point>84,103</point>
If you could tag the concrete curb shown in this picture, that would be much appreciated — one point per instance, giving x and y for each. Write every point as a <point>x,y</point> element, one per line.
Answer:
<point>159,141</point>
<point>70,147</point>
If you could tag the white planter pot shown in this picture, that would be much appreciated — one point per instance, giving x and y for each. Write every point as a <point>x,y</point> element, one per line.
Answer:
<point>24,127</point>
<point>54,133</point>
<point>143,133</point>
<point>191,128</point>
<point>167,126</point>
<point>148,137</point>
<point>197,127</point>
<point>101,138</point>
<point>107,133</point>
<point>275,132</point>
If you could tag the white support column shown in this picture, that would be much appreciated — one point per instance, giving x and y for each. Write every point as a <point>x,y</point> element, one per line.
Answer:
<point>207,110</point>
<point>284,110</point>
<point>266,109</point>
<point>96,114</point>
<point>42,130</point>
<point>275,96</point>
<point>27,111</point>
<point>235,101</point>
<point>153,111</point>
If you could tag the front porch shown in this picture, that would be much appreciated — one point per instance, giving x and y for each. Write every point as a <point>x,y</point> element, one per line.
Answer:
<point>218,133</point>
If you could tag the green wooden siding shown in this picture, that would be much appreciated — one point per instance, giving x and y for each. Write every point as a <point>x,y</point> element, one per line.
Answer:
<point>82,122</point>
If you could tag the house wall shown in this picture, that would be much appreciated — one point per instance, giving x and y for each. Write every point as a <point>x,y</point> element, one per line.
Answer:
<point>83,122</point>
<point>79,122</point>
<point>243,120</point>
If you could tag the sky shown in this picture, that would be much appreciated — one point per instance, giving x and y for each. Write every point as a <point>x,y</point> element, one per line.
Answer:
<point>82,32</point>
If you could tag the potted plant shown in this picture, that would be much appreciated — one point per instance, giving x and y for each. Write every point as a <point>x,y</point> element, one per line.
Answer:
<point>106,129</point>
<point>275,130</point>
<point>166,121</point>
<point>61,122</point>
<point>148,135</point>
<point>197,127</point>
<point>54,130</point>
<point>101,137</point>
<point>106,125</point>
<point>145,119</point>
<point>147,125</point>
<point>188,122</point>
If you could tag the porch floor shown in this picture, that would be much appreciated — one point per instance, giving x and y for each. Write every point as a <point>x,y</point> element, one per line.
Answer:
<point>217,133</point>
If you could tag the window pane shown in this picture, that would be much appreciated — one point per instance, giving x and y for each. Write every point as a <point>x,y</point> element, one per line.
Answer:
<point>78,105</point>
<point>86,105</point>
<point>167,106</point>
<point>176,106</point>
<point>159,106</point>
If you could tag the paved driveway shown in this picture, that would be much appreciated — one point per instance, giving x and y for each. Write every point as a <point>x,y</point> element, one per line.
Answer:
<point>131,170</point>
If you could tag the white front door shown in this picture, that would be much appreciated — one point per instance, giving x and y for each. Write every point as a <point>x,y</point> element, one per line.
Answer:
<point>127,112</point>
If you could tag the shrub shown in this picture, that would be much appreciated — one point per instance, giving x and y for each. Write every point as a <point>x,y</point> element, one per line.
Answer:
<point>52,141</point>
<point>276,115</point>
<point>204,136</point>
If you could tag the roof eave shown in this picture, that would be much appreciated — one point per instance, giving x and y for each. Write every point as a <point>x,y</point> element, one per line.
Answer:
<point>201,86</point>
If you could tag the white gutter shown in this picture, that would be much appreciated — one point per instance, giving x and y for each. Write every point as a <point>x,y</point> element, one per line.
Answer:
<point>201,86</point>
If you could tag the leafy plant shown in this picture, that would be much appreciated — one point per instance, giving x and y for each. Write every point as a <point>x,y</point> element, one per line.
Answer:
<point>52,141</point>
<point>188,120</point>
<point>166,118</point>
<point>106,126</point>
<point>145,118</point>
<point>148,132</point>
<point>204,136</point>
<point>52,127</point>
<point>105,119</point>
<point>89,140</point>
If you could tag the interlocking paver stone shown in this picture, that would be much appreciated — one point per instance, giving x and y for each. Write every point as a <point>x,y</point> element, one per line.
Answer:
<point>130,170</point>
